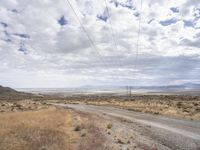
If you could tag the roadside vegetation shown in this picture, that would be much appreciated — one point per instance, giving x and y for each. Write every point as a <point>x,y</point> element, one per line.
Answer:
<point>48,127</point>
<point>171,105</point>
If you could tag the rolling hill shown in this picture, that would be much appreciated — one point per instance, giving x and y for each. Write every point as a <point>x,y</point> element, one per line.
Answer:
<point>7,93</point>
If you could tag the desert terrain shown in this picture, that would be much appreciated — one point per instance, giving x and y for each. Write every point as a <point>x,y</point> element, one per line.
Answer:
<point>98,122</point>
<point>182,106</point>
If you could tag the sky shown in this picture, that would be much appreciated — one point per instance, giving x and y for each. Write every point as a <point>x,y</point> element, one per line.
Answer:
<point>42,43</point>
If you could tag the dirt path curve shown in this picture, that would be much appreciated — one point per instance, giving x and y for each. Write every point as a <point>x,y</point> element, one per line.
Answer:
<point>171,132</point>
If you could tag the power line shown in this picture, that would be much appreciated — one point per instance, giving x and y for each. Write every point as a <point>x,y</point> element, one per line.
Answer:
<point>88,36</point>
<point>139,32</point>
<point>111,27</point>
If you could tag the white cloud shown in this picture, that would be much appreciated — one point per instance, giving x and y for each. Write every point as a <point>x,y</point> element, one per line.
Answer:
<point>62,55</point>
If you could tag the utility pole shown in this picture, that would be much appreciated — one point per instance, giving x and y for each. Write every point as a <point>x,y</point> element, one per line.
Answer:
<point>128,91</point>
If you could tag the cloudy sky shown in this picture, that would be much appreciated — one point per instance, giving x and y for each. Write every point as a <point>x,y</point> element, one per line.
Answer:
<point>42,44</point>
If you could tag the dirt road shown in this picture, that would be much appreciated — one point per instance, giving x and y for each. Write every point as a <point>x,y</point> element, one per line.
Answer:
<point>170,132</point>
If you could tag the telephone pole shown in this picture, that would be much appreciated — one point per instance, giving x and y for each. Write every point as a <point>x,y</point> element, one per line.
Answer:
<point>128,91</point>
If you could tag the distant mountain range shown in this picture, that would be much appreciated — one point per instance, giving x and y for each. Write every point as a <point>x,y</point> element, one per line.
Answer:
<point>191,86</point>
<point>186,86</point>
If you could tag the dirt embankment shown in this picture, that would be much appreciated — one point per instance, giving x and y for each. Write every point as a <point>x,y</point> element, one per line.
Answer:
<point>171,105</point>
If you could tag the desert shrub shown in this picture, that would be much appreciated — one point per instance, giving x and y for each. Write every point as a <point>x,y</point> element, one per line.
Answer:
<point>179,104</point>
<point>109,126</point>
<point>77,128</point>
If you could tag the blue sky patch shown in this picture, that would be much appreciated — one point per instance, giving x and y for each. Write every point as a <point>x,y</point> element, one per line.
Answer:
<point>127,4</point>
<point>174,9</point>
<point>102,17</point>
<point>136,14</point>
<point>188,23</point>
<point>22,48</point>
<point>197,12</point>
<point>62,21</point>
<point>168,22</point>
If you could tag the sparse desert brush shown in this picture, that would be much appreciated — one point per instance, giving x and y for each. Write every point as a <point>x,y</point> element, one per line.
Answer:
<point>109,126</point>
<point>77,128</point>
<point>80,123</point>
<point>179,104</point>
<point>156,113</point>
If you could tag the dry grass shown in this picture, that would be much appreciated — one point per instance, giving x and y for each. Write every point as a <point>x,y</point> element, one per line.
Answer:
<point>51,129</point>
<point>39,130</point>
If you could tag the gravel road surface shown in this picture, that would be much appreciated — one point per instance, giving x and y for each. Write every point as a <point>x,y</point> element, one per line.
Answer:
<point>171,132</point>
